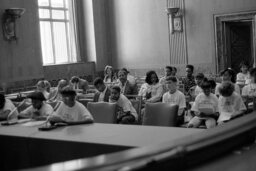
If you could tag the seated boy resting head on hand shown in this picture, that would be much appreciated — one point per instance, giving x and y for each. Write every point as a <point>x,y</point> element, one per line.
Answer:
<point>39,110</point>
<point>70,110</point>
<point>205,108</point>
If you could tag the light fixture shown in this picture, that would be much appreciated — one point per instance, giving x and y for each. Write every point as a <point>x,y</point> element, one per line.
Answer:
<point>175,19</point>
<point>9,17</point>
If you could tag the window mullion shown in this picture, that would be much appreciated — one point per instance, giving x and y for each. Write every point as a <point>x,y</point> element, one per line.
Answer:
<point>53,43</point>
<point>67,35</point>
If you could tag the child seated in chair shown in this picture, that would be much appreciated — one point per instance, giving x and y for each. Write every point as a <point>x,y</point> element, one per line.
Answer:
<point>205,108</point>
<point>70,110</point>
<point>231,104</point>
<point>249,91</point>
<point>126,113</point>
<point>39,110</point>
<point>174,96</point>
<point>6,107</point>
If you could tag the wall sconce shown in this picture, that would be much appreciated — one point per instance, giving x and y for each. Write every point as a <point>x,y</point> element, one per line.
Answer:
<point>8,22</point>
<point>175,20</point>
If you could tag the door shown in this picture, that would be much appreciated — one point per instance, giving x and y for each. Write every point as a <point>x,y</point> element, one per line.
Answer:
<point>239,41</point>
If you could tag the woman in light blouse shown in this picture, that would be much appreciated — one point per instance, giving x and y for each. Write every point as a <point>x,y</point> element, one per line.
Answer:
<point>152,90</point>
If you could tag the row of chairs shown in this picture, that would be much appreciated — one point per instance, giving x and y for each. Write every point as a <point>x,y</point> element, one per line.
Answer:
<point>156,114</point>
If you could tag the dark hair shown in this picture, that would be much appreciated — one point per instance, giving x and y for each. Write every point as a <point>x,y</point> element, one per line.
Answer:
<point>68,91</point>
<point>2,101</point>
<point>169,67</point>
<point>117,88</point>
<point>74,79</point>
<point>243,63</point>
<point>200,76</point>
<point>190,67</point>
<point>171,78</point>
<point>148,77</point>
<point>37,95</point>
<point>124,69</point>
<point>231,72</point>
<point>206,84</point>
<point>253,74</point>
<point>213,83</point>
<point>226,89</point>
<point>97,81</point>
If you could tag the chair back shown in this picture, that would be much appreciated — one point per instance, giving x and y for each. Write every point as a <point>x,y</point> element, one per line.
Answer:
<point>103,112</point>
<point>160,114</point>
<point>137,104</point>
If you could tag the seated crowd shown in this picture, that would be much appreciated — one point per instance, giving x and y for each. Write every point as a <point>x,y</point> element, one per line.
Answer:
<point>201,101</point>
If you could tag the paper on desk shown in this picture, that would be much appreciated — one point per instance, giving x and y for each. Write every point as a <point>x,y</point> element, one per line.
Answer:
<point>224,116</point>
<point>34,123</point>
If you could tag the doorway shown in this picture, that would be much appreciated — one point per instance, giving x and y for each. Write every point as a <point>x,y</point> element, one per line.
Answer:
<point>235,40</point>
<point>238,43</point>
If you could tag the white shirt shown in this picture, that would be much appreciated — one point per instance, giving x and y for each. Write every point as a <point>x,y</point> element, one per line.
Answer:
<point>76,113</point>
<point>177,98</point>
<point>243,78</point>
<point>249,90</point>
<point>102,94</point>
<point>9,106</point>
<point>45,110</point>
<point>156,91</point>
<point>126,105</point>
<point>203,101</point>
<point>229,105</point>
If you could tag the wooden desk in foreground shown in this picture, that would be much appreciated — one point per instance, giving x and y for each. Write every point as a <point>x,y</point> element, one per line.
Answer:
<point>28,147</point>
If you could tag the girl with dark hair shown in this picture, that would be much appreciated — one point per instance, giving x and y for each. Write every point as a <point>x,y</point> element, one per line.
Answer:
<point>250,89</point>
<point>243,77</point>
<point>109,75</point>
<point>152,90</point>
<point>228,75</point>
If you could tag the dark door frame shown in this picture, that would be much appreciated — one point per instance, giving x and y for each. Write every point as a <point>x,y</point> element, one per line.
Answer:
<point>220,22</point>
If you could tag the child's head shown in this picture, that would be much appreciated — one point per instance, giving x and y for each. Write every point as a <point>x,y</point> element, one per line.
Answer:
<point>99,84</point>
<point>189,70</point>
<point>244,67</point>
<point>199,78</point>
<point>168,71</point>
<point>43,85</point>
<point>228,75</point>
<point>206,86</point>
<point>226,89</point>
<point>213,85</point>
<point>253,75</point>
<point>171,83</point>
<point>2,101</point>
<point>108,71</point>
<point>74,79</point>
<point>62,83</point>
<point>122,75</point>
<point>68,96</point>
<point>37,99</point>
<point>115,93</point>
<point>174,71</point>
<point>151,77</point>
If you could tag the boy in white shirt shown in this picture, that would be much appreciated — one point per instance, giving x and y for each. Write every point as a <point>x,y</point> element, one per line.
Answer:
<point>39,110</point>
<point>70,110</point>
<point>249,90</point>
<point>230,103</point>
<point>174,96</point>
<point>126,113</point>
<point>205,108</point>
